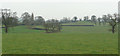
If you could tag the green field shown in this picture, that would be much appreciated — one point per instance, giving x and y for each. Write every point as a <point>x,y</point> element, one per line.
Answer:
<point>71,40</point>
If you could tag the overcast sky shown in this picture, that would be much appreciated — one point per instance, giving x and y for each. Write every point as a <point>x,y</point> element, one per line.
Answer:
<point>58,9</point>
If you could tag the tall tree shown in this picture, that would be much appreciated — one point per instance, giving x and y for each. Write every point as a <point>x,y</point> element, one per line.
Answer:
<point>93,19</point>
<point>86,18</point>
<point>75,18</point>
<point>39,20</point>
<point>32,19</point>
<point>26,18</point>
<point>104,17</point>
<point>99,20</point>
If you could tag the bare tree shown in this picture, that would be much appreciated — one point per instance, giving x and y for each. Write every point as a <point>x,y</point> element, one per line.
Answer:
<point>9,19</point>
<point>113,22</point>
<point>52,26</point>
<point>109,16</point>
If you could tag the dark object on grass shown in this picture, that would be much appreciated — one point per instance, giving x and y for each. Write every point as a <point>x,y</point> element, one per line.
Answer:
<point>38,28</point>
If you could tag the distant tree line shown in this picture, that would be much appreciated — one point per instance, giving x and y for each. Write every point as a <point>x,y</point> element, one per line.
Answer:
<point>10,19</point>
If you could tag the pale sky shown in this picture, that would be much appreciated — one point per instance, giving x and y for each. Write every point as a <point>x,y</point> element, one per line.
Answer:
<point>57,9</point>
<point>59,0</point>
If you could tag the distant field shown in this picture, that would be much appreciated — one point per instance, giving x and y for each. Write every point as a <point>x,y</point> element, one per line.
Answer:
<point>71,40</point>
<point>79,23</point>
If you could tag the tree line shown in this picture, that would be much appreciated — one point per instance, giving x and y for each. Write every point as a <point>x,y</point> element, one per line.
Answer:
<point>10,19</point>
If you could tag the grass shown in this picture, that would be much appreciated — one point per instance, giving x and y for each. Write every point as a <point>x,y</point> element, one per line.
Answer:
<point>71,40</point>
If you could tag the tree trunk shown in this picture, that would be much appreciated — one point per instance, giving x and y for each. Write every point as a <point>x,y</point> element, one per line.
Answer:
<point>113,29</point>
<point>6,29</point>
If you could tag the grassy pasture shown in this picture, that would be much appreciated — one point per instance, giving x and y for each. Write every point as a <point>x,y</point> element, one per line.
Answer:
<point>71,40</point>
